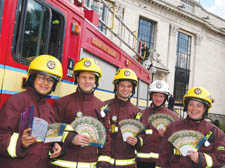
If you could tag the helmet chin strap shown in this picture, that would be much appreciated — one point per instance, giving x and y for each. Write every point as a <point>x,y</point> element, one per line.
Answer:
<point>157,107</point>
<point>203,117</point>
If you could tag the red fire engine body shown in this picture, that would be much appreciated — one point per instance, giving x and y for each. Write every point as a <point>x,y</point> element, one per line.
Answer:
<point>65,30</point>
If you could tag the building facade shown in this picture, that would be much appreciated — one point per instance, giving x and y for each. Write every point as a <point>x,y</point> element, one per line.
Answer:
<point>185,45</point>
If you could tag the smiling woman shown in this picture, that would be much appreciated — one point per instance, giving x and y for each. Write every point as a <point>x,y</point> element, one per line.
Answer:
<point>44,73</point>
<point>193,142</point>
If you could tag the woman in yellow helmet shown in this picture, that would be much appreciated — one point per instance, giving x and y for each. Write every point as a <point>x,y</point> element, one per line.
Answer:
<point>193,142</point>
<point>18,148</point>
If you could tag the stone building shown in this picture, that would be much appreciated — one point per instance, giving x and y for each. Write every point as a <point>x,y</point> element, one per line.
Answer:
<point>185,45</point>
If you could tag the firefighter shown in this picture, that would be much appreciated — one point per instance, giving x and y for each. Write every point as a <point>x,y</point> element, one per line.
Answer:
<point>210,149</point>
<point>123,152</point>
<point>19,149</point>
<point>148,155</point>
<point>83,103</point>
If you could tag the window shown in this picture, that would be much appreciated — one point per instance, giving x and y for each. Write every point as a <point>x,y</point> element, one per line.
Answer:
<point>1,12</point>
<point>39,31</point>
<point>86,2</point>
<point>182,69</point>
<point>101,9</point>
<point>146,31</point>
<point>103,14</point>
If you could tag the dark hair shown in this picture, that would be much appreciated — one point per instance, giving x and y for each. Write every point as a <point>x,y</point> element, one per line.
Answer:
<point>30,81</point>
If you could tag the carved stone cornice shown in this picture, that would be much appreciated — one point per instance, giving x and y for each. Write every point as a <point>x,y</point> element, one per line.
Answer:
<point>186,15</point>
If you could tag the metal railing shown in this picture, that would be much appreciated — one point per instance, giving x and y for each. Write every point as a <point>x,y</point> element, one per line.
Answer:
<point>115,29</point>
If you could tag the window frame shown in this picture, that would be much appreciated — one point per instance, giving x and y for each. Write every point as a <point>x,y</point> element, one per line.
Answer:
<point>181,85</point>
<point>19,27</point>
<point>151,43</point>
<point>1,12</point>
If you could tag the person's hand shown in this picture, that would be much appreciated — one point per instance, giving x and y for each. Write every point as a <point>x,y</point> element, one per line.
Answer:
<point>27,140</point>
<point>193,155</point>
<point>57,150</point>
<point>161,132</point>
<point>131,140</point>
<point>81,139</point>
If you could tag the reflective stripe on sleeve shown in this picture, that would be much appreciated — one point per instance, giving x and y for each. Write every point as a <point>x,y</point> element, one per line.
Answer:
<point>69,128</point>
<point>12,145</point>
<point>104,159</point>
<point>148,155</point>
<point>209,161</point>
<point>64,136</point>
<point>70,164</point>
<point>148,131</point>
<point>141,141</point>
<point>119,162</point>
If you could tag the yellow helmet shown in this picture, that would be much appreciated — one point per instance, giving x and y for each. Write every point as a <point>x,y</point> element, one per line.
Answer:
<point>46,64</point>
<point>87,64</point>
<point>199,94</point>
<point>125,74</point>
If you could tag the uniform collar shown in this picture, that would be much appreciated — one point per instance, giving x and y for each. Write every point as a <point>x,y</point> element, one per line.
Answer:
<point>121,101</point>
<point>193,122</point>
<point>156,108</point>
<point>83,95</point>
<point>35,95</point>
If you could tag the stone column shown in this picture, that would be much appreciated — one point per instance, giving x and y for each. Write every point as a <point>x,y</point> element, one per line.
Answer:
<point>197,46</point>
<point>171,54</point>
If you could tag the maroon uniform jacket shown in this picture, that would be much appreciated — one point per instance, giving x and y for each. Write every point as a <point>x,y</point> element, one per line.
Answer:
<point>121,150</point>
<point>36,155</point>
<point>149,152</point>
<point>211,156</point>
<point>66,111</point>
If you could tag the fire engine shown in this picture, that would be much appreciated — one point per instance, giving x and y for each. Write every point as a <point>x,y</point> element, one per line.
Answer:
<point>68,30</point>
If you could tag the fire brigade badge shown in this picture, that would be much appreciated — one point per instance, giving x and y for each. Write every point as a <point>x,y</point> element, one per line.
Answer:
<point>185,140</point>
<point>91,127</point>
<point>51,64</point>
<point>126,73</point>
<point>79,114</point>
<point>197,91</point>
<point>130,127</point>
<point>160,120</point>
<point>159,85</point>
<point>87,63</point>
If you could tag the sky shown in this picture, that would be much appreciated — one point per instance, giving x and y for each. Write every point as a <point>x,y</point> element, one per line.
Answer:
<point>214,6</point>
